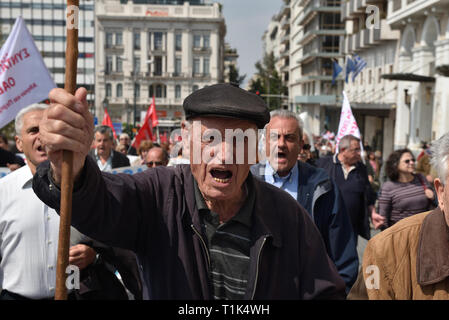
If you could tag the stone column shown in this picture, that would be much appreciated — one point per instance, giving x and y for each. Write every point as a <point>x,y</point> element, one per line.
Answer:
<point>170,51</point>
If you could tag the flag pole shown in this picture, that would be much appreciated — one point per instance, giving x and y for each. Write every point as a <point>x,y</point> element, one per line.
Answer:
<point>67,164</point>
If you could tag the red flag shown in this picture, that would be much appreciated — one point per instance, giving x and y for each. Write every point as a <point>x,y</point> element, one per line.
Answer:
<point>146,131</point>
<point>108,122</point>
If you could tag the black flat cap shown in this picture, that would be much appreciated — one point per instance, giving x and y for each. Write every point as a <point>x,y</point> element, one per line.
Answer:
<point>226,100</point>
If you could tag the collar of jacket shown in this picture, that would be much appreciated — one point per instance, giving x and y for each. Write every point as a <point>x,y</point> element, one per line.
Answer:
<point>264,221</point>
<point>432,257</point>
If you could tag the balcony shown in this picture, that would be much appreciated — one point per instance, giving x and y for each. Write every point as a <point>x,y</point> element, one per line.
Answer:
<point>285,22</point>
<point>201,49</point>
<point>285,39</point>
<point>318,54</point>
<point>309,35</point>
<point>316,6</point>
<point>285,53</point>
<point>319,99</point>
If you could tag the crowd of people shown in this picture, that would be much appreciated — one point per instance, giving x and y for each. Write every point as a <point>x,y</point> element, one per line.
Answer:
<point>286,227</point>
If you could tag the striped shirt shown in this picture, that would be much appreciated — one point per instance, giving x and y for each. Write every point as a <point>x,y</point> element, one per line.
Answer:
<point>399,200</point>
<point>229,246</point>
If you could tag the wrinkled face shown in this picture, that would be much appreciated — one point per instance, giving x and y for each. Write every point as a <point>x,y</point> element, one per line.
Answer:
<point>283,153</point>
<point>406,163</point>
<point>124,140</point>
<point>219,173</point>
<point>352,155</point>
<point>28,142</point>
<point>155,158</point>
<point>443,194</point>
<point>104,144</point>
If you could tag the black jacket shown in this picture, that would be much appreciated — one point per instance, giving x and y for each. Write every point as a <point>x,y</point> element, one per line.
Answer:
<point>154,214</point>
<point>331,165</point>
<point>118,159</point>
<point>320,196</point>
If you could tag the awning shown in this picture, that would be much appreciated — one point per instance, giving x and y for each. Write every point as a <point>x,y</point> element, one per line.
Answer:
<point>407,77</point>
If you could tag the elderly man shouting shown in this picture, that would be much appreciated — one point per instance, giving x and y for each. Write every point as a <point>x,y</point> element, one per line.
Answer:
<point>208,230</point>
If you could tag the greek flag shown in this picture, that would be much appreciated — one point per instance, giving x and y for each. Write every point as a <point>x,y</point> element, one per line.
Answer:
<point>350,67</point>
<point>359,64</point>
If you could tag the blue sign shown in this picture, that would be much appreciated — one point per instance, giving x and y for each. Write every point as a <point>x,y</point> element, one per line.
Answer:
<point>95,121</point>
<point>117,127</point>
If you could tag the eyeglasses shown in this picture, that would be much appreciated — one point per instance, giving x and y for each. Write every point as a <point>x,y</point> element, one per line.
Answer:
<point>409,160</point>
<point>157,163</point>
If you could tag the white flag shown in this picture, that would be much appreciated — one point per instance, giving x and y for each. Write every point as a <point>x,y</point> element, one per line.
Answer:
<point>24,78</point>
<point>347,124</point>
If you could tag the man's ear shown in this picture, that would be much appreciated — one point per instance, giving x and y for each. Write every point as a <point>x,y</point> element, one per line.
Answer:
<point>439,188</point>
<point>19,143</point>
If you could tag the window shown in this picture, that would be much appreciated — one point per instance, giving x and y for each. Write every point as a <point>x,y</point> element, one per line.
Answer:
<point>119,90</point>
<point>150,91</point>
<point>158,66</point>
<point>108,64</point>
<point>196,66</point>
<point>136,64</point>
<point>177,91</point>
<point>178,66</point>
<point>369,76</point>
<point>136,40</point>
<point>178,42</point>
<point>196,41</point>
<point>158,41</point>
<point>108,39</point>
<point>206,41</point>
<point>119,39</point>
<point>158,91</point>
<point>379,76</point>
<point>194,88</point>
<point>137,90</point>
<point>206,66</point>
<point>119,64</point>
<point>108,90</point>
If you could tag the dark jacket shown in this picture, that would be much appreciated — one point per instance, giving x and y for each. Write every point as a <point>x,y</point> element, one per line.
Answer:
<point>9,157</point>
<point>118,159</point>
<point>319,195</point>
<point>331,165</point>
<point>154,214</point>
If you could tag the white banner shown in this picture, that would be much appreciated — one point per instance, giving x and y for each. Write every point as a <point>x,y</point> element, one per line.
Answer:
<point>347,124</point>
<point>24,78</point>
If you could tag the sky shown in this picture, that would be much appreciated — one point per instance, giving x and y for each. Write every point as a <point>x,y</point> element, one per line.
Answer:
<point>246,21</point>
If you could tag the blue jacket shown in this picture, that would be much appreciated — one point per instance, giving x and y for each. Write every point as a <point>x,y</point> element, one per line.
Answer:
<point>320,196</point>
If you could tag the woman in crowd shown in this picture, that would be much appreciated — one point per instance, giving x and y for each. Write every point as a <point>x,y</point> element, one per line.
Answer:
<point>406,193</point>
<point>142,151</point>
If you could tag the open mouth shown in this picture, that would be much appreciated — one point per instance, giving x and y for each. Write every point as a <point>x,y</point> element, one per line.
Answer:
<point>221,175</point>
<point>282,155</point>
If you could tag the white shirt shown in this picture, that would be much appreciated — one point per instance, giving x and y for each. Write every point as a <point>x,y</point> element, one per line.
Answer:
<point>28,238</point>
<point>107,166</point>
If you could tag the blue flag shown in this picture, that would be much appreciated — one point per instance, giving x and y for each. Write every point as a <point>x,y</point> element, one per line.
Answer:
<point>359,64</point>
<point>336,71</point>
<point>350,67</point>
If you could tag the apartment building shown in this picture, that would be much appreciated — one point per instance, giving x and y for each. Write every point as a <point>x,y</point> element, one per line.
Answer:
<point>166,49</point>
<point>315,41</point>
<point>45,19</point>
<point>372,98</point>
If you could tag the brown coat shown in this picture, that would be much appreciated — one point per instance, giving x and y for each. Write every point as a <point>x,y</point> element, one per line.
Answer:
<point>413,261</point>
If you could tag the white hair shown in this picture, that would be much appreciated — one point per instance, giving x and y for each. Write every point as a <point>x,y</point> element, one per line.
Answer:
<point>19,117</point>
<point>440,156</point>
<point>282,113</point>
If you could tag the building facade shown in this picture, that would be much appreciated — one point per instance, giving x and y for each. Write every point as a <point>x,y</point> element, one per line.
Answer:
<point>45,19</point>
<point>160,49</point>
<point>372,98</point>
<point>315,42</point>
<point>423,53</point>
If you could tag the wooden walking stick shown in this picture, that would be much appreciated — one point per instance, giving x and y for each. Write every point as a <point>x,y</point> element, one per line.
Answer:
<point>71,58</point>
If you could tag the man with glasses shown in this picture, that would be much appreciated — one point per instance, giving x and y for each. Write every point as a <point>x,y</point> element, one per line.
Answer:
<point>350,175</point>
<point>156,157</point>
